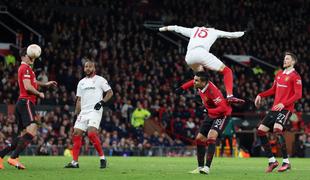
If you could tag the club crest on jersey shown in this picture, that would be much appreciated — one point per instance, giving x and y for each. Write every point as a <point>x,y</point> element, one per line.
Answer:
<point>287,78</point>
<point>217,100</point>
<point>27,74</point>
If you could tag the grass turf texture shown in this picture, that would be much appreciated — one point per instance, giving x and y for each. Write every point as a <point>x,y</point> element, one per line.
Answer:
<point>148,168</point>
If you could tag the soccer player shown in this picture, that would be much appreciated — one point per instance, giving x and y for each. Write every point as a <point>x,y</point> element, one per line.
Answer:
<point>218,110</point>
<point>89,112</point>
<point>198,56</point>
<point>24,110</point>
<point>287,88</point>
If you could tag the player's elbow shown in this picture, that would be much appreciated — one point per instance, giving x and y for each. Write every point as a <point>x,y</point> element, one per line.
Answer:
<point>110,93</point>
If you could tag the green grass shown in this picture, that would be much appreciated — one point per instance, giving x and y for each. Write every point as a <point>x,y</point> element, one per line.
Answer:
<point>148,168</point>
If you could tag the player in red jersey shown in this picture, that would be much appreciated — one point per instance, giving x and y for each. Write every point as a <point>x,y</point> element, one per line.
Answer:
<point>218,110</point>
<point>287,88</point>
<point>24,110</point>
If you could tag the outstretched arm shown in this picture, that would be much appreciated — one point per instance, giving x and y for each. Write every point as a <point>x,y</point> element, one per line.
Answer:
<point>225,34</point>
<point>179,29</point>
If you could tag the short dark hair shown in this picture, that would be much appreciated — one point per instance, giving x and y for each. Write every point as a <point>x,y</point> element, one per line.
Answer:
<point>294,57</point>
<point>23,52</point>
<point>203,76</point>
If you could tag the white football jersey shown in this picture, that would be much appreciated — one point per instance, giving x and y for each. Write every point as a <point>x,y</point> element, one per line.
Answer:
<point>202,36</point>
<point>90,90</point>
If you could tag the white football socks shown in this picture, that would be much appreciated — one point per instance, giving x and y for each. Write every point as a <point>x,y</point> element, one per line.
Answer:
<point>272,159</point>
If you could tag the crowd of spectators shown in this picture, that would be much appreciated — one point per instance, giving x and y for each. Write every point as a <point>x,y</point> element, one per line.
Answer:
<point>142,67</point>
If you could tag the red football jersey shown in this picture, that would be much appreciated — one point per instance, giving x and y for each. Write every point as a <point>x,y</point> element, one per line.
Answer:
<point>287,88</point>
<point>214,101</point>
<point>26,72</point>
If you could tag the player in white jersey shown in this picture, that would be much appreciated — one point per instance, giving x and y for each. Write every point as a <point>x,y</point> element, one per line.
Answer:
<point>198,56</point>
<point>89,112</point>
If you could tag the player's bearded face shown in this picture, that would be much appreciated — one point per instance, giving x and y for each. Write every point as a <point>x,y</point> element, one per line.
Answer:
<point>89,69</point>
<point>288,61</point>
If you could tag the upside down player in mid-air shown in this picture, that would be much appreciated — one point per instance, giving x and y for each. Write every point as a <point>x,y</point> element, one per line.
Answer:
<point>287,88</point>
<point>89,112</point>
<point>198,56</point>
<point>24,110</point>
<point>218,110</point>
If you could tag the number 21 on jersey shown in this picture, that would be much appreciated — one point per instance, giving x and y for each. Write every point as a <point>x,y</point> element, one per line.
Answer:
<point>201,33</point>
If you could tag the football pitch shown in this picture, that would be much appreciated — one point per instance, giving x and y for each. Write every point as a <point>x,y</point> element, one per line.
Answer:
<point>148,168</point>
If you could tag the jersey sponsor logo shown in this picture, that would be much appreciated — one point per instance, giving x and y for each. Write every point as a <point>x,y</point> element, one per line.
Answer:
<point>217,100</point>
<point>89,88</point>
<point>281,85</point>
<point>298,81</point>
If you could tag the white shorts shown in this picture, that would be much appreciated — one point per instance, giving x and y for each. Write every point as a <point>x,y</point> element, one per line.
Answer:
<point>85,120</point>
<point>199,56</point>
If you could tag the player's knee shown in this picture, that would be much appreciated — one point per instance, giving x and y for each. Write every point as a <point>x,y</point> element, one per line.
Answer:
<point>278,131</point>
<point>76,133</point>
<point>200,141</point>
<point>32,129</point>
<point>212,134</point>
<point>91,134</point>
<point>211,141</point>
<point>226,70</point>
<point>261,132</point>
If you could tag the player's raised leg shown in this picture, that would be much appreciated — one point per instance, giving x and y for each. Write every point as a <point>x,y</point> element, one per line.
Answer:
<point>228,82</point>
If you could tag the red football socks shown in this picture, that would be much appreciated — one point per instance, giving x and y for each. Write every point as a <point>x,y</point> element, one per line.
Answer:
<point>228,80</point>
<point>93,137</point>
<point>77,143</point>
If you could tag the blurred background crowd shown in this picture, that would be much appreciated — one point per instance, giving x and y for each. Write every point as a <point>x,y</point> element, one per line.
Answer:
<point>144,69</point>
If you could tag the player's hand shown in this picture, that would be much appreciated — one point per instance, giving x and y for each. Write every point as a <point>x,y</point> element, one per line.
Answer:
<point>180,91</point>
<point>41,95</point>
<point>258,101</point>
<point>278,107</point>
<point>165,28</point>
<point>51,83</point>
<point>99,105</point>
